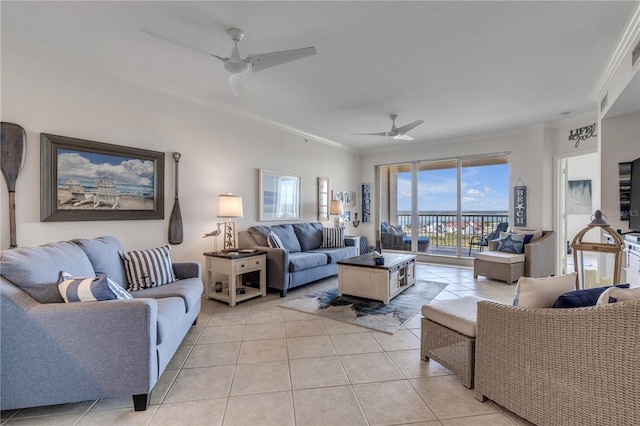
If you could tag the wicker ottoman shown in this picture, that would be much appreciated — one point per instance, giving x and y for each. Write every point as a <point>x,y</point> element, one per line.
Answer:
<point>498,265</point>
<point>448,335</point>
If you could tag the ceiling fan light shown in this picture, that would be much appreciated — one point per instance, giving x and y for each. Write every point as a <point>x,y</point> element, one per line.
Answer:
<point>236,67</point>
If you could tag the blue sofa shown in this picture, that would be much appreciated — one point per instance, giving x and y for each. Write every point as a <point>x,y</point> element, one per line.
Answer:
<point>54,352</point>
<point>303,258</point>
<point>393,237</point>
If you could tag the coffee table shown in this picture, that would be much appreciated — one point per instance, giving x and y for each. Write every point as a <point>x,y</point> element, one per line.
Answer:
<point>360,276</point>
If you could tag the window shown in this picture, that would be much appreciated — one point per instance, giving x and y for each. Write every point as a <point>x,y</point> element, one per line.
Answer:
<point>437,207</point>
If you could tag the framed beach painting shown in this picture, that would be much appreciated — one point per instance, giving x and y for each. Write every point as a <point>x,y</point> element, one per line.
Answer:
<point>86,180</point>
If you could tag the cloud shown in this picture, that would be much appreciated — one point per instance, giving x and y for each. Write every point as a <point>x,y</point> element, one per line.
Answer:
<point>133,172</point>
<point>475,193</point>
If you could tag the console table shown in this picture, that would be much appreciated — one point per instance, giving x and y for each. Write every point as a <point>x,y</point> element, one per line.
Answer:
<point>360,276</point>
<point>230,267</point>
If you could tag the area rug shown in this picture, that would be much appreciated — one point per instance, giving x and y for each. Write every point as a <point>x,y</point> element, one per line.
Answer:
<point>368,313</point>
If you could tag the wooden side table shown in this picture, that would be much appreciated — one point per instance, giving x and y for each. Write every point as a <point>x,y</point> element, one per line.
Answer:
<point>221,266</point>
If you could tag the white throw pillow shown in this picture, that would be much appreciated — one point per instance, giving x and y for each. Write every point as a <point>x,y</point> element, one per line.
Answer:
<point>542,292</point>
<point>274,241</point>
<point>620,294</point>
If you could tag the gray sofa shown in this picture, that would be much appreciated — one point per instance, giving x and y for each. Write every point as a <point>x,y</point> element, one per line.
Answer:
<point>54,352</point>
<point>303,259</point>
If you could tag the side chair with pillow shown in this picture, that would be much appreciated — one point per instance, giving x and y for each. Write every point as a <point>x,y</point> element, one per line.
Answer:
<point>483,241</point>
<point>528,253</point>
<point>569,366</point>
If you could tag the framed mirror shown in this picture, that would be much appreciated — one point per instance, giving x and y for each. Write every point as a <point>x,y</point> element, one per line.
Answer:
<point>323,199</point>
<point>279,196</point>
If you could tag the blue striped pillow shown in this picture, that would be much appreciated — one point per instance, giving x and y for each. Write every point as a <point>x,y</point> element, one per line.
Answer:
<point>148,268</point>
<point>332,237</point>
<point>274,241</point>
<point>89,289</point>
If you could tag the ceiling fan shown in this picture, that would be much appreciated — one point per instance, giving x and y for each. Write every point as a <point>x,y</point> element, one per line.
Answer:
<point>237,66</point>
<point>396,132</point>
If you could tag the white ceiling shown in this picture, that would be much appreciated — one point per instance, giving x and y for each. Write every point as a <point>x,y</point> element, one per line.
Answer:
<point>462,67</point>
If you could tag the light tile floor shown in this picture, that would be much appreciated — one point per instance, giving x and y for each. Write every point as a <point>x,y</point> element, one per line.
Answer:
<point>260,364</point>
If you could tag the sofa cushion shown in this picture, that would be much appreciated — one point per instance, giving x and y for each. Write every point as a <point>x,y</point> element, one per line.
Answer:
<point>309,235</point>
<point>169,308</point>
<point>332,237</point>
<point>536,234</point>
<point>288,237</point>
<point>148,268</point>
<point>581,298</point>
<point>260,233</point>
<point>306,260</point>
<point>89,289</point>
<point>542,292</point>
<point>103,255</point>
<point>189,290</point>
<point>500,256</point>
<point>337,254</point>
<point>36,270</point>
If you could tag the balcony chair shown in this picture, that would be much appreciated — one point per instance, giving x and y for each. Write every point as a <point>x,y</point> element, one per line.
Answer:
<point>393,237</point>
<point>483,241</point>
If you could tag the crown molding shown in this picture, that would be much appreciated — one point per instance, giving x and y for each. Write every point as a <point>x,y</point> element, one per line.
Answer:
<point>630,35</point>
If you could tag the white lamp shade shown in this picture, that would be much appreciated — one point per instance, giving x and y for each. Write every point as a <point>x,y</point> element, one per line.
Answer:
<point>336,207</point>
<point>230,206</point>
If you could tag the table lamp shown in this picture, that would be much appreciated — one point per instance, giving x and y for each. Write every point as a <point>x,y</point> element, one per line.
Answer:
<point>336,208</point>
<point>229,206</point>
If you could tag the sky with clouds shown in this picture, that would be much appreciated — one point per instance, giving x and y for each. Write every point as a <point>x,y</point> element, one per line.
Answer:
<point>484,188</point>
<point>91,166</point>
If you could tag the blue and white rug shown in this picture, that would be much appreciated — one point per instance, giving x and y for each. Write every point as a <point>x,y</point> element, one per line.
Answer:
<point>368,313</point>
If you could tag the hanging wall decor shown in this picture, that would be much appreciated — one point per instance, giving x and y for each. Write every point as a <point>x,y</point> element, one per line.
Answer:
<point>583,133</point>
<point>624,173</point>
<point>366,203</point>
<point>519,205</point>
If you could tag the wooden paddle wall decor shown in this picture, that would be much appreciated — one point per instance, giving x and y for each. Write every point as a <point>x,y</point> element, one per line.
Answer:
<point>12,155</point>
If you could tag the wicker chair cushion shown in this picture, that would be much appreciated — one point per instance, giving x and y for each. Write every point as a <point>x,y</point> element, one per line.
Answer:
<point>500,257</point>
<point>457,314</point>
<point>542,292</point>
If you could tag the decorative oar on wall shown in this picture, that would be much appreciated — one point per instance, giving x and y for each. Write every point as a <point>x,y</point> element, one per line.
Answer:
<point>12,147</point>
<point>175,221</point>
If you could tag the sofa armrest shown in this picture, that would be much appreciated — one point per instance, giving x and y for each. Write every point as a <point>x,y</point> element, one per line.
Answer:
<point>540,256</point>
<point>187,270</point>
<point>277,267</point>
<point>60,352</point>
<point>560,366</point>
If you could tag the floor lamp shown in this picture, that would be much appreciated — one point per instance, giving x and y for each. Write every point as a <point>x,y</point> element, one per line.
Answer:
<point>229,207</point>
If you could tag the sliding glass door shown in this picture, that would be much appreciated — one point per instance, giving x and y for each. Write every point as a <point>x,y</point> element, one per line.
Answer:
<point>441,207</point>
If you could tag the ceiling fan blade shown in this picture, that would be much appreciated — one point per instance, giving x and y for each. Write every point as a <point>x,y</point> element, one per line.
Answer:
<point>404,129</point>
<point>403,137</point>
<point>181,44</point>
<point>263,61</point>
<point>371,134</point>
<point>236,84</point>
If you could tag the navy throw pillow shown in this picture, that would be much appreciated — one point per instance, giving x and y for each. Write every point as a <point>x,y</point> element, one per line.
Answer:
<point>582,298</point>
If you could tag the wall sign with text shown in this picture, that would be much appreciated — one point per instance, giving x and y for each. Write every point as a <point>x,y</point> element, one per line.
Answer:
<point>583,133</point>
<point>520,206</point>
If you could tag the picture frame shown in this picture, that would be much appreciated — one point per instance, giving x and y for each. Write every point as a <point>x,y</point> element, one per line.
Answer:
<point>279,196</point>
<point>348,198</point>
<point>323,199</point>
<point>85,180</point>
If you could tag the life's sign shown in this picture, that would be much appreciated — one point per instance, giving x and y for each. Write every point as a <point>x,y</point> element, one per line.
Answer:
<point>520,206</point>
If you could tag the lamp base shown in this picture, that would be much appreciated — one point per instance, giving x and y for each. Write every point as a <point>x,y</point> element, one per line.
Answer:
<point>338,222</point>
<point>229,235</point>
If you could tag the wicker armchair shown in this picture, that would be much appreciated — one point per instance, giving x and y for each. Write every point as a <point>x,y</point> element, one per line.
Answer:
<point>561,366</point>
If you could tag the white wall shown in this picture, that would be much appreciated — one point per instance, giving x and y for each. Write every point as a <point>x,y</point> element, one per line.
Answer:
<point>221,153</point>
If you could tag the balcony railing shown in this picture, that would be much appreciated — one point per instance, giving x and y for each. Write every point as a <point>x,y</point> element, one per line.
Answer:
<point>442,229</point>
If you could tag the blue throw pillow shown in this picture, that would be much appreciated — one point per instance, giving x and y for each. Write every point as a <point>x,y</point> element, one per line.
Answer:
<point>89,289</point>
<point>582,298</point>
<point>527,240</point>
<point>511,243</point>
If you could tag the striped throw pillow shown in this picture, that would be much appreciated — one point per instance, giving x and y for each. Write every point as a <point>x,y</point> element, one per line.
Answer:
<point>89,289</point>
<point>274,241</point>
<point>148,268</point>
<point>332,237</point>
